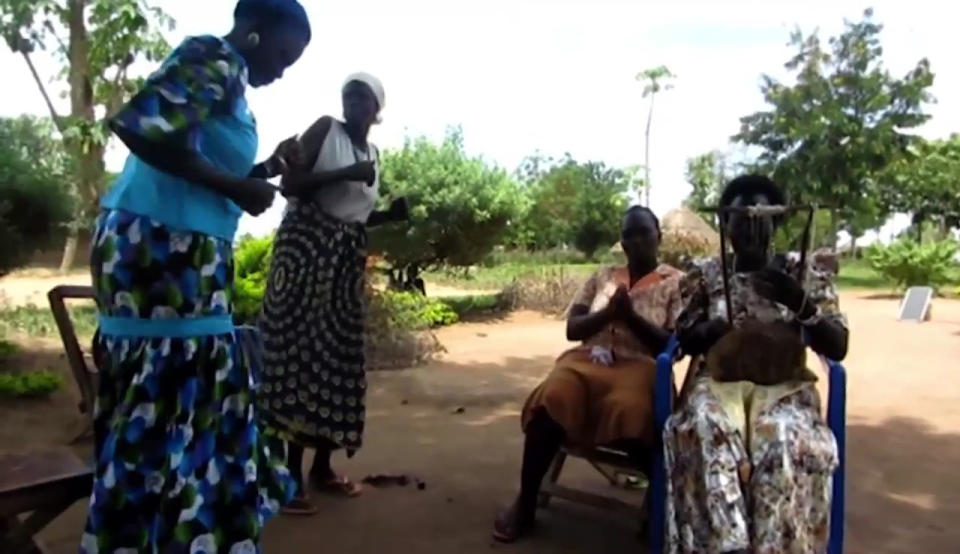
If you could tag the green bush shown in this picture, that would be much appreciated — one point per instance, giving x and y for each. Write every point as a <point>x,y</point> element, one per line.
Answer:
<point>412,311</point>
<point>38,384</point>
<point>476,304</point>
<point>907,263</point>
<point>251,260</point>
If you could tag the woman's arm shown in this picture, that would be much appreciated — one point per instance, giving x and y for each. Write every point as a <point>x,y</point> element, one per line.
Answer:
<point>177,160</point>
<point>652,335</point>
<point>816,309</point>
<point>581,324</point>
<point>303,181</point>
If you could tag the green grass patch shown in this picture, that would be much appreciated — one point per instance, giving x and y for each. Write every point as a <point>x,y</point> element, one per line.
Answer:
<point>39,384</point>
<point>498,277</point>
<point>38,322</point>
<point>7,349</point>
<point>857,274</point>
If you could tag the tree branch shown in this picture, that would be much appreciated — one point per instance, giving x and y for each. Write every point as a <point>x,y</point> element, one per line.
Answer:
<point>53,31</point>
<point>43,92</point>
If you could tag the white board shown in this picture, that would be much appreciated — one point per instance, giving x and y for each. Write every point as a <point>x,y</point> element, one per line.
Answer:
<point>916,304</point>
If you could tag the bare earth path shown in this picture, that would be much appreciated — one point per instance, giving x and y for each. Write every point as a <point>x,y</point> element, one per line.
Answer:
<point>903,433</point>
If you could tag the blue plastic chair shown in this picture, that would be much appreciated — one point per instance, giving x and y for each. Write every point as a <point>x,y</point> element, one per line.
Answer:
<point>663,407</point>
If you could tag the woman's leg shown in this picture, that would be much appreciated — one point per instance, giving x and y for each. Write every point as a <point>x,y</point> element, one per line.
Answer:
<point>324,478</point>
<point>300,504</point>
<point>544,437</point>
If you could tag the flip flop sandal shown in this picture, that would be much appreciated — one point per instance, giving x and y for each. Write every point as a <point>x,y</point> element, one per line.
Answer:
<point>339,486</point>
<point>299,506</point>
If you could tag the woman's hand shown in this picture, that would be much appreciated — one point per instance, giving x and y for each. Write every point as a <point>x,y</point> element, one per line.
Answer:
<point>620,306</point>
<point>699,339</point>
<point>399,210</point>
<point>361,171</point>
<point>254,196</point>
<point>287,156</point>
<point>779,287</point>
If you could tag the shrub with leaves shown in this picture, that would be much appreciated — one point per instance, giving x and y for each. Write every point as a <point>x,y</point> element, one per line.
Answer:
<point>251,260</point>
<point>39,384</point>
<point>908,263</point>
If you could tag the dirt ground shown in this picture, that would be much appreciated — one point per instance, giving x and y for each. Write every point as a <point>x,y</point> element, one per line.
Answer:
<point>903,445</point>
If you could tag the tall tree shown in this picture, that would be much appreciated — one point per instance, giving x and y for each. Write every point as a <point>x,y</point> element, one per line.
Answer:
<point>926,183</point>
<point>831,135</point>
<point>655,80</point>
<point>574,203</point>
<point>707,174</point>
<point>103,40</point>
<point>460,206</point>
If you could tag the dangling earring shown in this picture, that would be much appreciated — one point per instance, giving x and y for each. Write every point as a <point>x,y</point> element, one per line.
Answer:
<point>253,39</point>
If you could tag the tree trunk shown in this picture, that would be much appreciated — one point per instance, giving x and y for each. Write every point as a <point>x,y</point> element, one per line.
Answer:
<point>88,155</point>
<point>69,250</point>
<point>646,152</point>
<point>834,228</point>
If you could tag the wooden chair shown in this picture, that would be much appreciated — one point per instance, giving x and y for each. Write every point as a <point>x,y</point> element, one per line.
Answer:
<point>43,484</point>
<point>610,463</point>
<point>84,373</point>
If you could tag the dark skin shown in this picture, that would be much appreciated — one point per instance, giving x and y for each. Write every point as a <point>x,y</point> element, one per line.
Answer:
<point>751,247</point>
<point>276,50</point>
<point>360,112</point>
<point>640,240</point>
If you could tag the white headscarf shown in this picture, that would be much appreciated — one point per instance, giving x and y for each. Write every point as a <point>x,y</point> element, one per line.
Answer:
<point>375,85</point>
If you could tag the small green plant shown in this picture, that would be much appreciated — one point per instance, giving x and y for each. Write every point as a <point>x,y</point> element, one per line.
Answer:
<point>7,349</point>
<point>476,304</point>
<point>39,384</point>
<point>413,311</point>
<point>908,263</point>
<point>252,266</point>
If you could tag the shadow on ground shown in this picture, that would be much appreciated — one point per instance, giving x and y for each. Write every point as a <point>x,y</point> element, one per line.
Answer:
<point>456,426</point>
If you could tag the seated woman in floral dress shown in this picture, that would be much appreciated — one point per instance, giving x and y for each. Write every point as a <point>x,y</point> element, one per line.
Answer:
<point>749,457</point>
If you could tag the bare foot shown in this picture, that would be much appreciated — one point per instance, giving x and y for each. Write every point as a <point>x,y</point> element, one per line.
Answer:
<point>513,523</point>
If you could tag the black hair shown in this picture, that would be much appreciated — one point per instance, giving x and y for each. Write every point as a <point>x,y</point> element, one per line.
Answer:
<point>750,185</point>
<point>644,210</point>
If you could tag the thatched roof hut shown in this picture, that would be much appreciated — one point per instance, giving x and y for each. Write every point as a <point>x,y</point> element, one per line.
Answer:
<point>685,234</point>
<point>685,222</point>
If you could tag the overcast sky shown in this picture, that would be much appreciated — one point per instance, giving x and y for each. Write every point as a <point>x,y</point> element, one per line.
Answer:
<point>555,76</point>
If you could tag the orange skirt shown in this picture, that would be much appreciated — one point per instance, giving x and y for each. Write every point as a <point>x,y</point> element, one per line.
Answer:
<point>597,405</point>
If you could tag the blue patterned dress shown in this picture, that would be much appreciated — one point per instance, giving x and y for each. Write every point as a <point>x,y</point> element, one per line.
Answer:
<point>181,463</point>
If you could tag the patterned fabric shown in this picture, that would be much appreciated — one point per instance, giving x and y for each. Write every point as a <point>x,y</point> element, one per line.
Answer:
<point>194,101</point>
<point>203,76</point>
<point>760,483</point>
<point>656,297</point>
<point>181,465</point>
<point>703,298</point>
<point>314,382</point>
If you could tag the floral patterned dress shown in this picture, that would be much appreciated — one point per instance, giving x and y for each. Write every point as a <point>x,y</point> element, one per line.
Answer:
<point>181,465</point>
<point>755,479</point>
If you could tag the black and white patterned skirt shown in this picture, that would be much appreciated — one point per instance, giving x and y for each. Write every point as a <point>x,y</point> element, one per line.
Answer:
<point>313,321</point>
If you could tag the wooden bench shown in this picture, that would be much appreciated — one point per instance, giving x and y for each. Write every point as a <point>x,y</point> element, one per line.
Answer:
<point>41,483</point>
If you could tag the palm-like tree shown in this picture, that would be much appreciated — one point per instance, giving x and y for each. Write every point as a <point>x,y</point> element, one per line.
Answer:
<point>655,79</point>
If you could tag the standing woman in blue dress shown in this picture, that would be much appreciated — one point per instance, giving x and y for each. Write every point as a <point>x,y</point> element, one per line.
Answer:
<point>181,465</point>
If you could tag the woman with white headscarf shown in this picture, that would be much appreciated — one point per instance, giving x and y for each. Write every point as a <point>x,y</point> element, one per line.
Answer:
<point>313,389</point>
